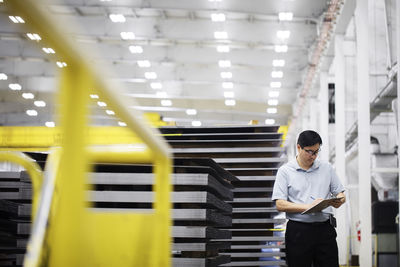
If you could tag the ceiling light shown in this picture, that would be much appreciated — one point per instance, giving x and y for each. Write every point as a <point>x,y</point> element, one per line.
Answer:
<point>136,49</point>
<point>166,103</point>
<point>276,74</point>
<point>101,104</point>
<point>34,36</point>
<point>226,75</point>
<point>31,112</point>
<point>127,35</point>
<point>278,63</point>
<point>117,18</point>
<point>272,110</point>
<point>150,75</point>
<point>28,95</point>
<point>196,123</point>
<point>229,94</point>
<point>61,64</point>
<point>144,63</point>
<point>214,0</point>
<point>16,19</point>
<point>273,93</point>
<point>15,86</point>
<point>275,84</point>
<point>39,103</point>
<point>230,102</point>
<point>3,76</point>
<point>156,85</point>
<point>122,124</point>
<point>48,50</point>
<point>224,63</point>
<point>220,35</point>
<point>273,102</point>
<point>92,96</point>
<point>285,16</point>
<point>50,124</point>
<point>218,17</point>
<point>223,49</point>
<point>227,85</point>
<point>283,34</point>
<point>161,94</point>
<point>110,112</point>
<point>269,121</point>
<point>191,111</point>
<point>281,48</point>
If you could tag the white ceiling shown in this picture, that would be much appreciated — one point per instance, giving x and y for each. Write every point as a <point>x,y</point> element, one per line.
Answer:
<point>178,39</point>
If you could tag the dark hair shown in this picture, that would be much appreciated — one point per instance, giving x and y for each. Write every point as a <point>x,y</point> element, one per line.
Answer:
<point>309,138</point>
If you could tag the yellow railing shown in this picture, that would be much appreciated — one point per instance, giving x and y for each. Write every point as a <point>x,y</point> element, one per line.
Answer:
<point>76,236</point>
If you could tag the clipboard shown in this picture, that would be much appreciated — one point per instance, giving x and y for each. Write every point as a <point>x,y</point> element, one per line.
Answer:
<point>321,205</point>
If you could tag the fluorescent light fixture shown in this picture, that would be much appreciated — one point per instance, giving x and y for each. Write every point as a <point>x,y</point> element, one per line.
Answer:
<point>31,112</point>
<point>285,16</point>
<point>214,0</point>
<point>117,18</point>
<point>110,112</point>
<point>161,94</point>
<point>269,121</point>
<point>272,110</point>
<point>223,49</point>
<point>93,96</point>
<point>229,94</point>
<point>122,124</point>
<point>39,103</point>
<point>28,95</point>
<point>156,85</point>
<point>281,48</point>
<point>48,50</point>
<point>196,123</point>
<point>273,94</point>
<point>273,102</point>
<point>275,84</point>
<point>276,74</point>
<point>230,102</point>
<point>3,76</point>
<point>283,34</point>
<point>15,86</point>
<point>101,104</point>
<point>227,85</point>
<point>278,63</point>
<point>150,75</point>
<point>16,19</point>
<point>50,124</point>
<point>220,35</point>
<point>226,75</point>
<point>136,49</point>
<point>127,35</point>
<point>218,17</point>
<point>34,36</point>
<point>224,63</point>
<point>191,111</point>
<point>166,103</point>
<point>61,64</point>
<point>144,63</point>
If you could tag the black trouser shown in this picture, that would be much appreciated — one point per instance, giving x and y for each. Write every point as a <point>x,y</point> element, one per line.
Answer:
<point>311,244</point>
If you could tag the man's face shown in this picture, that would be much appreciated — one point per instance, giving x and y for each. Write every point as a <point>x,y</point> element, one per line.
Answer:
<point>308,154</point>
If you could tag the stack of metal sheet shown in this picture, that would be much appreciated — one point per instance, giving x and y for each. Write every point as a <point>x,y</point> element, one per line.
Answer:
<point>201,191</point>
<point>253,154</point>
<point>15,206</point>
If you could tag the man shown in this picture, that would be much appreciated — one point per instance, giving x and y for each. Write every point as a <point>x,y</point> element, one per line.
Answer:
<point>300,184</point>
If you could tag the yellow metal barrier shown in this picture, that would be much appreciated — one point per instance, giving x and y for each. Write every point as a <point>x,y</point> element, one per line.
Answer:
<point>77,236</point>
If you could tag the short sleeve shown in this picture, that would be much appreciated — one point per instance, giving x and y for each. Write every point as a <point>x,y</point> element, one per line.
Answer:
<point>336,186</point>
<point>280,190</point>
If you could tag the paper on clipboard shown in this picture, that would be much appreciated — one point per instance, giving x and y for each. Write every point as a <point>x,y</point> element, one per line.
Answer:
<point>321,205</point>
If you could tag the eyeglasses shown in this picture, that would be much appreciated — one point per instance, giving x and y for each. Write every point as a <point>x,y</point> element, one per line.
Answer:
<point>312,152</point>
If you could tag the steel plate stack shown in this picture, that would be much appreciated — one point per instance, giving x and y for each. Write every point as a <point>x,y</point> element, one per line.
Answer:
<point>253,154</point>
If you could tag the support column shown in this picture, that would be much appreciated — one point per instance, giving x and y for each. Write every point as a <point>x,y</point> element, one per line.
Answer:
<point>324,115</point>
<point>364,164</point>
<point>313,115</point>
<point>340,133</point>
<point>398,99</point>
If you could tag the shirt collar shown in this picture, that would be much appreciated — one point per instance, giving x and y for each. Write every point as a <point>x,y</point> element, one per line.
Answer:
<point>313,167</point>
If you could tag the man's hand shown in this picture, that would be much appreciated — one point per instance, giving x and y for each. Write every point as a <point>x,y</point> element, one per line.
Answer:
<point>337,203</point>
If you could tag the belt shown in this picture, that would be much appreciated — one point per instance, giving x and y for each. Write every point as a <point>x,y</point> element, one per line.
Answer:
<point>312,223</point>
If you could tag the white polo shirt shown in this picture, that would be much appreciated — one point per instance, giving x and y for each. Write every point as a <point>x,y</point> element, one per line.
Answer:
<point>297,185</point>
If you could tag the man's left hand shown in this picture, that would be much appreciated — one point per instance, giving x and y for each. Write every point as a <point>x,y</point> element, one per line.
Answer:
<point>337,203</point>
